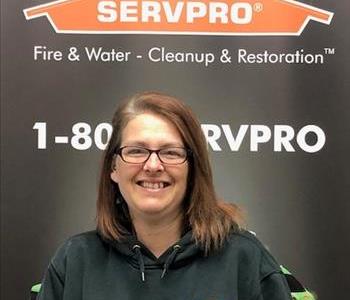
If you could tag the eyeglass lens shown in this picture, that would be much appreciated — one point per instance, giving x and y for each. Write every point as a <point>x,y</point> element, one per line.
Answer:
<point>171,155</point>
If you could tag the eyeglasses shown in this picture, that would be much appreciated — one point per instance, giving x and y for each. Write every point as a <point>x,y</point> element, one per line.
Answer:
<point>139,155</point>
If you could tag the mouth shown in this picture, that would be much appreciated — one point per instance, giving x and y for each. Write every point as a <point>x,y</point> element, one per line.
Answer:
<point>153,185</point>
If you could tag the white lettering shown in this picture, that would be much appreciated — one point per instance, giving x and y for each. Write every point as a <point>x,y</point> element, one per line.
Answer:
<point>212,133</point>
<point>321,138</point>
<point>241,56</point>
<point>266,57</point>
<point>283,134</point>
<point>218,10</point>
<point>171,11</point>
<point>100,54</point>
<point>258,134</point>
<point>41,53</point>
<point>195,10</point>
<point>241,13</point>
<point>107,10</point>
<point>128,11</point>
<point>157,54</point>
<point>150,10</point>
<point>234,143</point>
<point>173,16</point>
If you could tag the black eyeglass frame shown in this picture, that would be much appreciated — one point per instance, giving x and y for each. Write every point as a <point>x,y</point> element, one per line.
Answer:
<point>187,151</point>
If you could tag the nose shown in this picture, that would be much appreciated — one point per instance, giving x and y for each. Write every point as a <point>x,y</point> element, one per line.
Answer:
<point>153,164</point>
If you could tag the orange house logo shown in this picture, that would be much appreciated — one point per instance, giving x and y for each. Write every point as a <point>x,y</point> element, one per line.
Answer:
<point>224,17</point>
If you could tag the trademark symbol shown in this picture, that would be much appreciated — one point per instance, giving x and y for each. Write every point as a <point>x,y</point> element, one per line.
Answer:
<point>329,51</point>
<point>258,7</point>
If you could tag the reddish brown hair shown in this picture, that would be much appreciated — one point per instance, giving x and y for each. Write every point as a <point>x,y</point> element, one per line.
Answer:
<point>210,219</point>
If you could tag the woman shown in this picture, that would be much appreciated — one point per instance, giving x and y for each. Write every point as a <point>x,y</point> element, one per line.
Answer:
<point>161,231</point>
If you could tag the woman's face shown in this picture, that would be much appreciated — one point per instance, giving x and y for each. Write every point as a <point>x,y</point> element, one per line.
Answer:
<point>151,188</point>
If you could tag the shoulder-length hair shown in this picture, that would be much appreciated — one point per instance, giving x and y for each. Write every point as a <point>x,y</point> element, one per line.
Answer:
<point>210,219</point>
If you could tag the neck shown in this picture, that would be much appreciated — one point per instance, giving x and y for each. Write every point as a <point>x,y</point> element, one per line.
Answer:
<point>158,235</point>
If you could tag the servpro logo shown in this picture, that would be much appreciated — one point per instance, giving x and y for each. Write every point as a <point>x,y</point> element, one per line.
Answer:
<point>250,17</point>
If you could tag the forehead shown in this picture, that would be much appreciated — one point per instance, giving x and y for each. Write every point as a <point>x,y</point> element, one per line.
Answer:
<point>151,130</point>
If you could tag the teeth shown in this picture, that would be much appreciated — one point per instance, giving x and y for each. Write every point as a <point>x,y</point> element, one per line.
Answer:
<point>150,185</point>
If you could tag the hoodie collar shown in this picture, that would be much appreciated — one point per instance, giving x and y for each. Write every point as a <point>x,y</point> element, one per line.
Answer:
<point>138,255</point>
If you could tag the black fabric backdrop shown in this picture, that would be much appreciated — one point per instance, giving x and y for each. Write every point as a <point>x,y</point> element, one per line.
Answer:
<point>297,202</point>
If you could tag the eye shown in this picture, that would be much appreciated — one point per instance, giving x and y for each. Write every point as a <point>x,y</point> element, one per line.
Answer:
<point>173,153</point>
<point>135,151</point>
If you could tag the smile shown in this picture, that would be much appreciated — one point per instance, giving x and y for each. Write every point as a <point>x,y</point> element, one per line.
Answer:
<point>153,185</point>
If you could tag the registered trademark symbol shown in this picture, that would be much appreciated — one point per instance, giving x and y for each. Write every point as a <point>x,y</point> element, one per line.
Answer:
<point>258,6</point>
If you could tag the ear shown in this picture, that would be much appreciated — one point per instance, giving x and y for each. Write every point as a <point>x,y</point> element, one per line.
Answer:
<point>114,172</point>
<point>114,176</point>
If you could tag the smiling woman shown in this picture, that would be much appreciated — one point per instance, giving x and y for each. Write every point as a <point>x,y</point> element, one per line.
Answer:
<point>152,189</point>
<point>162,233</point>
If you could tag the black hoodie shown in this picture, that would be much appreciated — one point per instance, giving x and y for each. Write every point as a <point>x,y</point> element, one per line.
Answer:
<point>87,267</point>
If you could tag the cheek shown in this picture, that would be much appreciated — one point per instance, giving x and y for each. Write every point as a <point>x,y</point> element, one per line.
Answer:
<point>124,174</point>
<point>183,177</point>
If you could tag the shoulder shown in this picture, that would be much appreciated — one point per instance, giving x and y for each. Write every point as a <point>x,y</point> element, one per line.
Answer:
<point>84,239</point>
<point>78,249</point>
<point>252,253</point>
<point>80,241</point>
<point>245,239</point>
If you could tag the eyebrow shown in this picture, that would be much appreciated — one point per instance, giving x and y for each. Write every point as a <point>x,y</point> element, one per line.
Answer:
<point>146,145</point>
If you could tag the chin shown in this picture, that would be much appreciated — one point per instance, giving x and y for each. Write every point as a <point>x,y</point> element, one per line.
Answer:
<point>151,207</point>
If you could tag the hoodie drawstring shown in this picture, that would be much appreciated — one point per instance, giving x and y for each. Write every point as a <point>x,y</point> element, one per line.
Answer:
<point>141,262</point>
<point>170,259</point>
<point>168,262</point>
